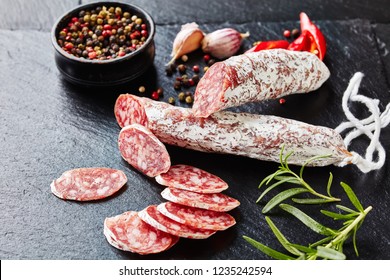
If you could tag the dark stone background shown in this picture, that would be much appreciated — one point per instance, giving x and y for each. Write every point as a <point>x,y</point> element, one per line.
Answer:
<point>48,126</point>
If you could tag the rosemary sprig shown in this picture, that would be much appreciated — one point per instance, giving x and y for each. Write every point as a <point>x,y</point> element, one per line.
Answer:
<point>330,247</point>
<point>284,175</point>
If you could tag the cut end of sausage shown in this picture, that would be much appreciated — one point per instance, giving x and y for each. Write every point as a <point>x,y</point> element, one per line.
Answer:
<point>85,184</point>
<point>208,97</point>
<point>128,232</point>
<point>142,150</point>
<point>129,110</point>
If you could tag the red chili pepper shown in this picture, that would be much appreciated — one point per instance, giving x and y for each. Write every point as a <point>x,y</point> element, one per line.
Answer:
<point>268,45</point>
<point>302,43</point>
<point>317,39</point>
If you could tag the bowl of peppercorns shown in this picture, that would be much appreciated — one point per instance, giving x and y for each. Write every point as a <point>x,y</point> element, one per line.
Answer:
<point>103,43</point>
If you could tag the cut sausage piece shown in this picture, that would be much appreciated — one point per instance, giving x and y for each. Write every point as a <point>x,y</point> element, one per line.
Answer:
<point>216,201</point>
<point>257,76</point>
<point>154,218</point>
<point>196,217</point>
<point>142,150</point>
<point>129,233</point>
<point>256,136</point>
<point>191,179</point>
<point>128,111</point>
<point>86,184</point>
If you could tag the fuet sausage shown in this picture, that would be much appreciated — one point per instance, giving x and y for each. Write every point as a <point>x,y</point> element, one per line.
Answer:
<point>257,76</point>
<point>256,136</point>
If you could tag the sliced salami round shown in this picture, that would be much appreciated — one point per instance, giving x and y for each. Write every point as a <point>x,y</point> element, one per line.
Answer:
<point>154,218</point>
<point>142,150</point>
<point>196,217</point>
<point>128,110</point>
<point>191,179</point>
<point>86,184</point>
<point>128,232</point>
<point>217,201</point>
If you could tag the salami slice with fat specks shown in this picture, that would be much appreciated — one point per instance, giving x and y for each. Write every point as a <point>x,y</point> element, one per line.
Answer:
<point>154,218</point>
<point>257,76</point>
<point>128,232</point>
<point>191,179</point>
<point>86,184</point>
<point>196,217</point>
<point>142,150</point>
<point>215,201</point>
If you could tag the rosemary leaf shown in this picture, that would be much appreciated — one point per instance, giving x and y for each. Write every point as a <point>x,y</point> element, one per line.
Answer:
<point>322,241</point>
<point>330,180</point>
<point>282,239</point>
<point>354,241</point>
<point>337,216</point>
<point>267,250</point>
<point>281,197</point>
<point>270,188</point>
<point>311,200</point>
<point>352,197</point>
<point>346,209</point>
<point>307,220</point>
<point>302,248</point>
<point>329,253</point>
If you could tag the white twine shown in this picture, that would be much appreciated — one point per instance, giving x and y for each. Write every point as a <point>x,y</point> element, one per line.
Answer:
<point>370,126</point>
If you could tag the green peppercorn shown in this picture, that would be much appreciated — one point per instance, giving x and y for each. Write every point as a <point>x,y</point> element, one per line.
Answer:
<point>171,100</point>
<point>99,21</point>
<point>189,99</point>
<point>111,10</point>
<point>103,13</point>
<point>182,96</point>
<point>138,21</point>
<point>118,11</point>
<point>93,17</point>
<point>126,15</point>
<point>87,18</point>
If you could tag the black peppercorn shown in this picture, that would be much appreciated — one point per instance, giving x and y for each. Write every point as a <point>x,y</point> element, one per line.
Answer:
<point>177,85</point>
<point>182,68</point>
<point>195,78</point>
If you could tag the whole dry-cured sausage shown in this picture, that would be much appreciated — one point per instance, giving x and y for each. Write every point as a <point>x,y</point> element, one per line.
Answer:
<point>196,217</point>
<point>129,233</point>
<point>192,179</point>
<point>143,150</point>
<point>86,184</point>
<point>211,201</point>
<point>153,217</point>
<point>257,136</point>
<point>257,76</point>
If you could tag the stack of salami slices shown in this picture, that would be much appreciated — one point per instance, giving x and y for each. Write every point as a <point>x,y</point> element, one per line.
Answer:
<point>196,209</point>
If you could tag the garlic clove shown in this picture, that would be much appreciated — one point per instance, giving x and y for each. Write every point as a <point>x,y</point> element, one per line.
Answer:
<point>187,40</point>
<point>223,43</point>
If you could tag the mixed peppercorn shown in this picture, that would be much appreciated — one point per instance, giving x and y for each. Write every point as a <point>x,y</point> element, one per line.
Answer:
<point>103,33</point>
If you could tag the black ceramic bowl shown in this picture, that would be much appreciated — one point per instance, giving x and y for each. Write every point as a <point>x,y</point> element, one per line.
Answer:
<point>109,72</point>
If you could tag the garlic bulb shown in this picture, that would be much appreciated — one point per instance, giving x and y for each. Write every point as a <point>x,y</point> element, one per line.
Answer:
<point>187,40</point>
<point>223,43</point>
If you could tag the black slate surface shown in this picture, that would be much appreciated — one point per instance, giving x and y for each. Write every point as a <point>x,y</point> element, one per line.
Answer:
<point>49,126</point>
